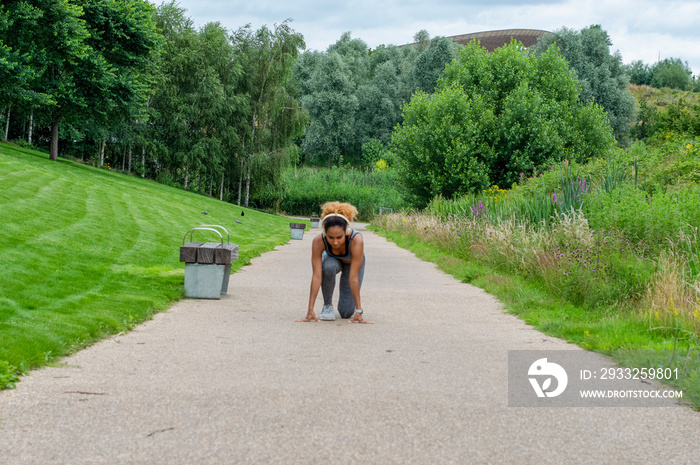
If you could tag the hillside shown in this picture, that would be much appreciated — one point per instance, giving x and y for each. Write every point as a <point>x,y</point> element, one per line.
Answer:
<point>659,98</point>
<point>87,252</point>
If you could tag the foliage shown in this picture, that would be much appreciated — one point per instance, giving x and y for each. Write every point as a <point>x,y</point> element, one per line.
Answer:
<point>671,72</point>
<point>126,85</point>
<point>196,102</point>
<point>639,73</point>
<point>274,118</point>
<point>88,62</point>
<point>8,375</point>
<point>303,190</point>
<point>354,94</point>
<point>441,147</point>
<point>431,62</point>
<point>602,75</point>
<point>98,254</point>
<point>493,117</point>
<point>331,103</point>
<point>374,151</point>
<point>620,232</point>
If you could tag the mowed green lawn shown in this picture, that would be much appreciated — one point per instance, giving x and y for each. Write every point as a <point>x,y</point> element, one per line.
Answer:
<point>85,252</point>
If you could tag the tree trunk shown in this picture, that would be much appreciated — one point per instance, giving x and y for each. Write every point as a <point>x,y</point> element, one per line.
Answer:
<point>129,167</point>
<point>31,126</point>
<point>240,184</point>
<point>187,175</point>
<point>102,153</point>
<point>143,162</point>
<point>7,123</point>
<point>124,160</point>
<point>211,184</point>
<point>54,138</point>
<point>247,187</point>
<point>221,192</point>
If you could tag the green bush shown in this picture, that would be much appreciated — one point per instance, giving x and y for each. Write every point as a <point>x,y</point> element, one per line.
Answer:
<point>493,117</point>
<point>303,191</point>
<point>651,218</point>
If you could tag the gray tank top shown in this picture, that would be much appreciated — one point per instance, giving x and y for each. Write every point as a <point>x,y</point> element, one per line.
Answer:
<point>348,241</point>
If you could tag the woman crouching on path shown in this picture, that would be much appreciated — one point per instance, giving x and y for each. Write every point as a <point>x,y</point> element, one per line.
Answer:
<point>338,249</point>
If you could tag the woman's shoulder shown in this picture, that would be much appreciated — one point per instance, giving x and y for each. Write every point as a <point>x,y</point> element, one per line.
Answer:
<point>317,243</point>
<point>357,239</point>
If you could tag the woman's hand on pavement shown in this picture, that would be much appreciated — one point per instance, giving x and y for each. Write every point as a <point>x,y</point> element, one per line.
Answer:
<point>357,318</point>
<point>310,316</point>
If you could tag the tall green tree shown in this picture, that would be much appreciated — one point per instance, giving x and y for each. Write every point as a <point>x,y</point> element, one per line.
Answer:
<point>197,100</point>
<point>274,118</point>
<point>123,39</point>
<point>602,74</point>
<point>331,104</point>
<point>379,103</point>
<point>430,64</point>
<point>85,59</point>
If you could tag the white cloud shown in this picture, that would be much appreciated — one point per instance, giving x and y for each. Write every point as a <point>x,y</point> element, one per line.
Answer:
<point>639,29</point>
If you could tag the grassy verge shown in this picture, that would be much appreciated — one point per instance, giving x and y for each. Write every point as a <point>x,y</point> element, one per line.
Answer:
<point>598,329</point>
<point>87,253</point>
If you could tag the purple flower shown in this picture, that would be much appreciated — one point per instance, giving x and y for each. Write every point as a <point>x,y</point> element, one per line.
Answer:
<point>554,198</point>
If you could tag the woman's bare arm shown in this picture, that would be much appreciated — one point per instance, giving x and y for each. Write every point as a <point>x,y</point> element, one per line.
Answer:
<point>317,268</point>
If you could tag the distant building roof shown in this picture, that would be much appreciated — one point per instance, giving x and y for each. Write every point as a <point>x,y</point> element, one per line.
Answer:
<point>491,40</point>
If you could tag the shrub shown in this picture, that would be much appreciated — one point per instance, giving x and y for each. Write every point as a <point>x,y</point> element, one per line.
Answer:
<point>493,117</point>
<point>303,190</point>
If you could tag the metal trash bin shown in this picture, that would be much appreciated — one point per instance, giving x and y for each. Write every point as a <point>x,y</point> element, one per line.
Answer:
<point>297,230</point>
<point>207,264</point>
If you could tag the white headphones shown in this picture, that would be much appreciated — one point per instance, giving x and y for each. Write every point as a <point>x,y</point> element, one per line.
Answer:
<point>348,229</point>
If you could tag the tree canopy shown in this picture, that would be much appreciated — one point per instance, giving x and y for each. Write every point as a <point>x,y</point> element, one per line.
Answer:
<point>602,74</point>
<point>354,94</point>
<point>492,117</point>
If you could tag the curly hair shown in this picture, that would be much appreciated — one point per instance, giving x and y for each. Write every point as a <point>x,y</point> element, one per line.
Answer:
<point>330,208</point>
<point>345,209</point>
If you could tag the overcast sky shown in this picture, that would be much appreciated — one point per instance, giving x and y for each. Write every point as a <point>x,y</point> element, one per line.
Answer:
<point>639,29</point>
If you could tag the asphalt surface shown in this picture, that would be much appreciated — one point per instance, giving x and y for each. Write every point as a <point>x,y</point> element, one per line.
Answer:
<point>238,381</point>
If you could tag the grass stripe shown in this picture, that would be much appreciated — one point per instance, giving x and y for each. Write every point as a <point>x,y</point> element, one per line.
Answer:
<point>86,252</point>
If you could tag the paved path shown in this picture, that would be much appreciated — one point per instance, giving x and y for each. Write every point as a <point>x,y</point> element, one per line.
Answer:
<point>237,381</point>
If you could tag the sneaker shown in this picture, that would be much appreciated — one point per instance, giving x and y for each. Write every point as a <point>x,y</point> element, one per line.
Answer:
<point>327,313</point>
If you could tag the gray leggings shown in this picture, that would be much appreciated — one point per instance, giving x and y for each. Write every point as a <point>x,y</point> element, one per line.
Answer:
<point>331,267</point>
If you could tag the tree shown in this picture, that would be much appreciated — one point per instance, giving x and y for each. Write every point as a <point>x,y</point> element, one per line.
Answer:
<point>639,73</point>
<point>602,75</point>
<point>85,60</point>
<point>331,104</point>
<point>379,104</point>
<point>274,116</point>
<point>13,73</point>
<point>673,73</point>
<point>199,103</point>
<point>431,62</point>
<point>492,117</point>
